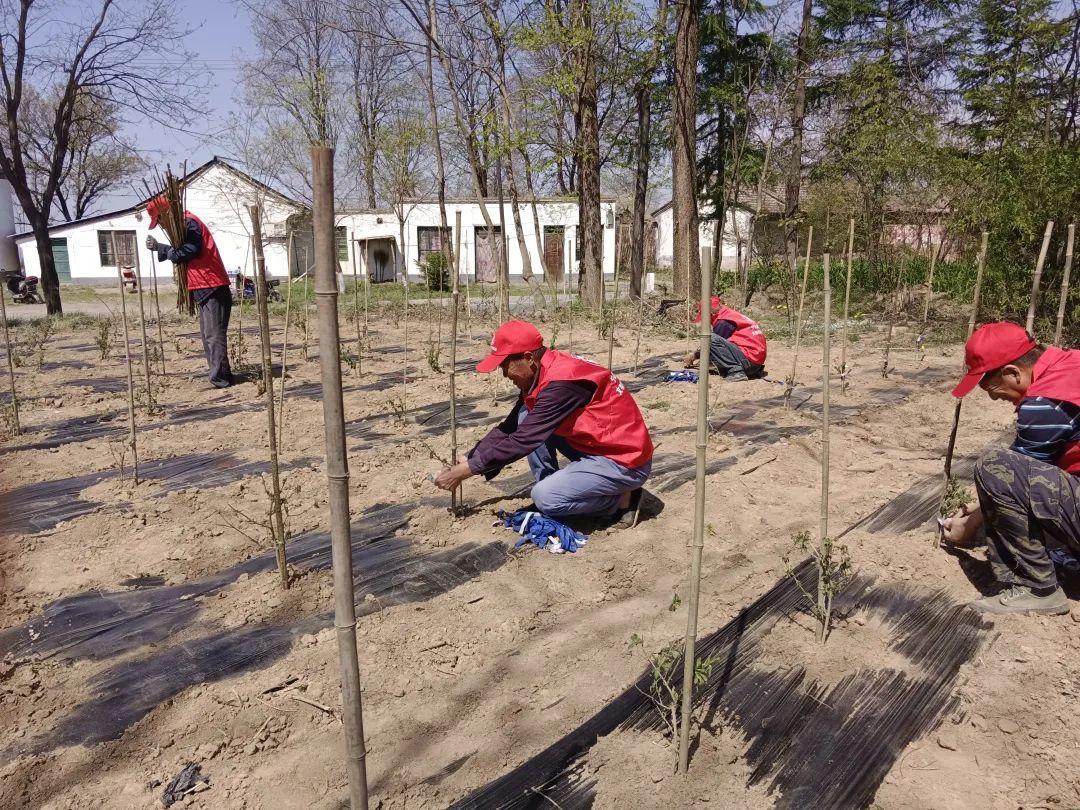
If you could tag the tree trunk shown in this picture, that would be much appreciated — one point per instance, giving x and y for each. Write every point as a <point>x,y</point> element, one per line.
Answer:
<point>591,278</point>
<point>50,282</point>
<point>798,114</point>
<point>686,259</point>
<point>369,174</point>
<point>643,98</point>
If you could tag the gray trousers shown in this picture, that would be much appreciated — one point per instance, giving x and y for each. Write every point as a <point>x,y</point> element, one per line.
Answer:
<point>729,360</point>
<point>1025,503</point>
<point>588,485</point>
<point>214,314</point>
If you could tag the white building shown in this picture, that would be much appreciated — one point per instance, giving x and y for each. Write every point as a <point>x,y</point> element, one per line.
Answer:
<point>738,228</point>
<point>375,242</point>
<point>89,250</point>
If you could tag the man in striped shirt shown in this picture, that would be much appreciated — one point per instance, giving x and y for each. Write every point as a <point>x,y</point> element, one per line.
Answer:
<point>1029,493</point>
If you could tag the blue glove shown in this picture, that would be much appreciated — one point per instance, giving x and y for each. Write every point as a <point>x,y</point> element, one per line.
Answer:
<point>543,532</point>
<point>681,376</point>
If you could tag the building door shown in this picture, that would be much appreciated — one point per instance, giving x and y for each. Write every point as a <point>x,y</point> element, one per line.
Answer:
<point>553,252</point>
<point>60,259</point>
<point>125,249</point>
<point>487,257</point>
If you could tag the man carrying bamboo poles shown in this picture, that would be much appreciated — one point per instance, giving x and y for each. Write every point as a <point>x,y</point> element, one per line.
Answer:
<point>207,281</point>
<point>1029,493</point>
<point>570,406</point>
<point>738,346</point>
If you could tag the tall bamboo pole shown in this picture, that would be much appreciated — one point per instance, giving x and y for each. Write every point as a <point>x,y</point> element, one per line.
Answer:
<point>10,365</point>
<point>847,302</point>
<point>1036,278</point>
<point>356,312</point>
<point>455,495</point>
<point>277,520</point>
<point>640,324</point>
<point>142,326</point>
<point>689,656</point>
<point>285,344</point>
<point>130,379</point>
<point>1065,284</point>
<point>893,314</point>
<point>790,383</point>
<point>307,310</point>
<point>930,280</point>
<point>337,472</point>
<point>824,598</point>
<point>405,345</point>
<point>972,320</point>
<point>614,303</point>
<point>157,308</point>
<point>242,279</point>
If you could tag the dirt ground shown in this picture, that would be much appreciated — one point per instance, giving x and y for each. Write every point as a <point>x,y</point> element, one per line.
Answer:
<point>146,633</point>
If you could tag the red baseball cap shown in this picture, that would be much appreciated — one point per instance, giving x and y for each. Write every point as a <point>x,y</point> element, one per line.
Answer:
<point>513,337</point>
<point>989,347</point>
<point>714,305</point>
<point>155,208</point>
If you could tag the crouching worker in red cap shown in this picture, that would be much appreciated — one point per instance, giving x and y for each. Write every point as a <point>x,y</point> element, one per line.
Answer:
<point>738,349</point>
<point>206,280</point>
<point>570,406</point>
<point>1029,494</point>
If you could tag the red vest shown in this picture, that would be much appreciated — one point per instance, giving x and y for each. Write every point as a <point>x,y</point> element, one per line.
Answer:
<point>610,424</point>
<point>1056,375</point>
<point>747,336</point>
<point>206,269</point>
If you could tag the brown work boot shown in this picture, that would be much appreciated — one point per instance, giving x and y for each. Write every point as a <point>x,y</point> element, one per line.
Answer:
<point>1020,599</point>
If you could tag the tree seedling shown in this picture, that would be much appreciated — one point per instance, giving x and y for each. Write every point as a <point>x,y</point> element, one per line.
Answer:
<point>834,573</point>
<point>105,332</point>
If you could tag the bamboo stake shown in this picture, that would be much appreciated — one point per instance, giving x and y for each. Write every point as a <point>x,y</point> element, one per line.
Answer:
<point>11,366</point>
<point>337,473</point>
<point>640,325</point>
<point>242,279</point>
<point>455,495</point>
<point>285,355</point>
<point>1037,277</point>
<point>570,293</point>
<point>930,281</point>
<point>277,520</point>
<point>142,326</point>
<point>614,305</point>
<point>790,383</point>
<point>307,310</point>
<point>356,314</point>
<point>893,313</point>
<point>824,598</point>
<point>130,379</point>
<point>157,308</point>
<point>689,657</point>
<point>405,344</point>
<point>1065,284</point>
<point>972,320</point>
<point>847,302</point>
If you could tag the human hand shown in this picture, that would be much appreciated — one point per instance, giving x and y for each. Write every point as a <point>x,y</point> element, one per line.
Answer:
<point>690,361</point>
<point>151,243</point>
<point>961,527</point>
<point>451,478</point>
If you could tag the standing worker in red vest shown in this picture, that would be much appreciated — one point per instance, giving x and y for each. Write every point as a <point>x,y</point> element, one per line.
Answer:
<point>206,280</point>
<point>738,346</point>
<point>1028,493</point>
<point>574,407</point>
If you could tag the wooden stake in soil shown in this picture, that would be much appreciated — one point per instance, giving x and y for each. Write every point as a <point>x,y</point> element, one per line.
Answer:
<point>132,441</point>
<point>1065,284</point>
<point>847,301</point>
<point>614,309</point>
<point>277,520</point>
<point>790,383</point>
<point>356,313</point>
<point>972,320</point>
<point>285,348</point>
<point>11,367</point>
<point>893,314</point>
<point>689,656</point>
<point>157,310</point>
<point>455,294</point>
<point>242,281</point>
<point>934,252</point>
<point>1036,279</point>
<point>142,325</point>
<point>337,472</point>
<point>824,593</point>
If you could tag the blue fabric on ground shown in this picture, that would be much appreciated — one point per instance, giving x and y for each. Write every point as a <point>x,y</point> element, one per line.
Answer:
<point>542,531</point>
<point>681,376</point>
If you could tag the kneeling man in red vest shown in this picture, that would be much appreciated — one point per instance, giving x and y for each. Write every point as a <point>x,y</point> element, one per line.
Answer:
<point>738,349</point>
<point>570,406</point>
<point>1029,493</point>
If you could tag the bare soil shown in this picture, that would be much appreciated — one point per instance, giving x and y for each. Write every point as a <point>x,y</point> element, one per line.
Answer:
<point>465,684</point>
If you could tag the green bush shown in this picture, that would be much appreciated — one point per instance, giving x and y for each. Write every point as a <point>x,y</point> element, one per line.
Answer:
<point>436,272</point>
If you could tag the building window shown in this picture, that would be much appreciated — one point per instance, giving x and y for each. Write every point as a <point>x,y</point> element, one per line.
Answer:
<point>117,245</point>
<point>341,240</point>
<point>427,239</point>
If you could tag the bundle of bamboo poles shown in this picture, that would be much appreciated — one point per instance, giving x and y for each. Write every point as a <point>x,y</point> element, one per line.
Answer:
<point>173,223</point>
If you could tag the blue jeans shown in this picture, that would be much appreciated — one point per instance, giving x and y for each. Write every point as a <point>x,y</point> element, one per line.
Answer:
<point>588,485</point>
